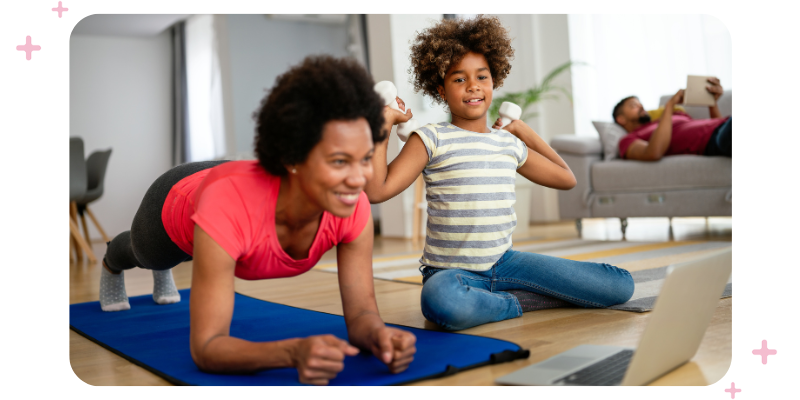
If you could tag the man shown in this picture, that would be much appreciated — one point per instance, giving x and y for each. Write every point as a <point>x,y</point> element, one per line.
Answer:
<point>675,132</point>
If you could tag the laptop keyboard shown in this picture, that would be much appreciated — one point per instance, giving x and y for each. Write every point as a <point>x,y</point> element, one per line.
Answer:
<point>607,372</point>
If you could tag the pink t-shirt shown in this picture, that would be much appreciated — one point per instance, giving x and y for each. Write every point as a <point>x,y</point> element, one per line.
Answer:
<point>234,203</point>
<point>689,136</point>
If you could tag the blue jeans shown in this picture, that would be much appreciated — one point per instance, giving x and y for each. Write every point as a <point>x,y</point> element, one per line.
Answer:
<point>720,143</point>
<point>457,299</point>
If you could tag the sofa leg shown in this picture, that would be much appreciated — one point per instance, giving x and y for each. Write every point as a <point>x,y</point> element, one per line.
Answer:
<point>624,226</point>
<point>579,226</point>
<point>671,232</point>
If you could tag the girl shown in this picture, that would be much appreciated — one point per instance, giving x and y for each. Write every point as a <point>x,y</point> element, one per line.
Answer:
<point>471,276</point>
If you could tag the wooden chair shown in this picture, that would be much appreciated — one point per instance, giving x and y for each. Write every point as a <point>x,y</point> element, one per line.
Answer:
<point>96,166</point>
<point>77,189</point>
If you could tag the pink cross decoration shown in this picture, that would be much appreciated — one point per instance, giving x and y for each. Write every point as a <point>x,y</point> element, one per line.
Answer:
<point>60,9</point>
<point>764,352</point>
<point>733,390</point>
<point>28,48</point>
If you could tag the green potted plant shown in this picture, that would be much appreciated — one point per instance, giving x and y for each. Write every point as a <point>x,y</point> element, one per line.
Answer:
<point>535,94</point>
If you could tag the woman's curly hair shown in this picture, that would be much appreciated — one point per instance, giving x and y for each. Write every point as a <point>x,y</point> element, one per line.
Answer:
<point>446,43</point>
<point>291,117</point>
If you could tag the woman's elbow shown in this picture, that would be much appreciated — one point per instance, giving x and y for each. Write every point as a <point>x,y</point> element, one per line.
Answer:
<point>202,362</point>
<point>202,359</point>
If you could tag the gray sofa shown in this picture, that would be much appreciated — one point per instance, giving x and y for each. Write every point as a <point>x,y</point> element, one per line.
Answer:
<point>675,186</point>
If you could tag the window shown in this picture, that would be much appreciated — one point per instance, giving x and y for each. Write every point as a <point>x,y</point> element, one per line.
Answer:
<point>205,128</point>
<point>643,55</point>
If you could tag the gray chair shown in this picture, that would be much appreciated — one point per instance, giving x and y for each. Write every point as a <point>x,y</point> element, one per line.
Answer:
<point>96,166</point>
<point>78,183</point>
<point>77,170</point>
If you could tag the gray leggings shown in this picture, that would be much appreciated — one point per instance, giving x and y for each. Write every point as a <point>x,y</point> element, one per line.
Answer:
<point>147,244</point>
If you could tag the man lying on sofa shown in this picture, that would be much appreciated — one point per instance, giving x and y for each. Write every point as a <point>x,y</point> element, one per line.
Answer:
<point>675,132</point>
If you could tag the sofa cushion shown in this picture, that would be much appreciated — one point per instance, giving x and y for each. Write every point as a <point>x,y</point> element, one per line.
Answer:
<point>670,173</point>
<point>610,135</point>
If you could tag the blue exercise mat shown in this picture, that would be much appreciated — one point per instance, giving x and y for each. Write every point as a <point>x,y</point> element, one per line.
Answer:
<point>156,337</point>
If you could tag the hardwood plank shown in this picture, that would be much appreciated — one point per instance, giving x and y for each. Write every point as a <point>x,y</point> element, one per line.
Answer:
<point>545,332</point>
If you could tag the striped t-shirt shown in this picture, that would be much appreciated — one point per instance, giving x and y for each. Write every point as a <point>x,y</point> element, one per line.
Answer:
<point>470,184</point>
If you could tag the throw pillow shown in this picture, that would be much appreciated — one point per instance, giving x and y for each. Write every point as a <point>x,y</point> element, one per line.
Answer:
<point>610,135</point>
<point>656,114</point>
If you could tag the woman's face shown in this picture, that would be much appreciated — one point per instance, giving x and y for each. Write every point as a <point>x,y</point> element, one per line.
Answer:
<point>468,87</point>
<point>338,167</point>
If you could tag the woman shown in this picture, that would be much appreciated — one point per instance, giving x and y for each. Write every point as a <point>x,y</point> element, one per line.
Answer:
<point>272,218</point>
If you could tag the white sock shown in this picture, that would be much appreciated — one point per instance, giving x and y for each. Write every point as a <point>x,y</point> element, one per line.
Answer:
<point>164,290</point>
<point>112,291</point>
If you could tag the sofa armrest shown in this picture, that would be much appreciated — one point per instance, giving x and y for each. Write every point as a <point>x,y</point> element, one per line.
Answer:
<point>578,145</point>
<point>579,152</point>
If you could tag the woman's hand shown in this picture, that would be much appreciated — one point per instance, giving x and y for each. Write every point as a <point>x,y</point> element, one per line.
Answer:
<point>319,359</point>
<point>394,117</point>
<point>365,328</point>
<point>395,347</point>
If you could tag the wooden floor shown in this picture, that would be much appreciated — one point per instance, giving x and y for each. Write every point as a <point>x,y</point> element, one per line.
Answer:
<point>545,332</point>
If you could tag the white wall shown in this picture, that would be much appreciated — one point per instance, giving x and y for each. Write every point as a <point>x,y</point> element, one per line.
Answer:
<point>643,55</point>
<point>260,49</point>
<point>541,43</point>
<point>389,39</point>
<point>120,97</point>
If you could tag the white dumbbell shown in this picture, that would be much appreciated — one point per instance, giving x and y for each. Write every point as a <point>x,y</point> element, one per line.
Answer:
<point>509,112</point>
<point>388,93</point>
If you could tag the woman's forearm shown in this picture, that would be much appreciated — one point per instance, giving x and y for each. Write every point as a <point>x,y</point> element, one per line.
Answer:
<point>226,354</point>
<point>361,325</point>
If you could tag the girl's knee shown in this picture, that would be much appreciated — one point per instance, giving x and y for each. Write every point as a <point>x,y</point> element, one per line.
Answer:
<point>445,301</point>
<point>627,287</point>
<point>623,288</point>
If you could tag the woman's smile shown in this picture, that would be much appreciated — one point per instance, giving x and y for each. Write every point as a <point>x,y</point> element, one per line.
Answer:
<point>348,198</point>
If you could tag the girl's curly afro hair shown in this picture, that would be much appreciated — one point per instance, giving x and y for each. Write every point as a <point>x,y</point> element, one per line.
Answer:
<point>445,44</point>
<point>291,117</point>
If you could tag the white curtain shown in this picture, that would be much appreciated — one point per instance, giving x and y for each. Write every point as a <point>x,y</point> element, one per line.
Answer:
<point>643,55</point>
<point>206,127</point>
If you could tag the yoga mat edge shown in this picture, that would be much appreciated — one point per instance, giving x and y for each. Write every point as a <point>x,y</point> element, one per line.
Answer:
<point>166,377</point>
<point>494,358</point>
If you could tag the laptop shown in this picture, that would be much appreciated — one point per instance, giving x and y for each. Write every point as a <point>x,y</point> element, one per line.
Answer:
<point>679,319</point>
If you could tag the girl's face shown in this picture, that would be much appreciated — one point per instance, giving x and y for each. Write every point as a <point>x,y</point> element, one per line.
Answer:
<point>468,88</point>
<point>338,167</point>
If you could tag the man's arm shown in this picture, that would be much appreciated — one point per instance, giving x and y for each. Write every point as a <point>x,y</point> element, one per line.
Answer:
<point>716,89</point>
<point>658,145</point>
